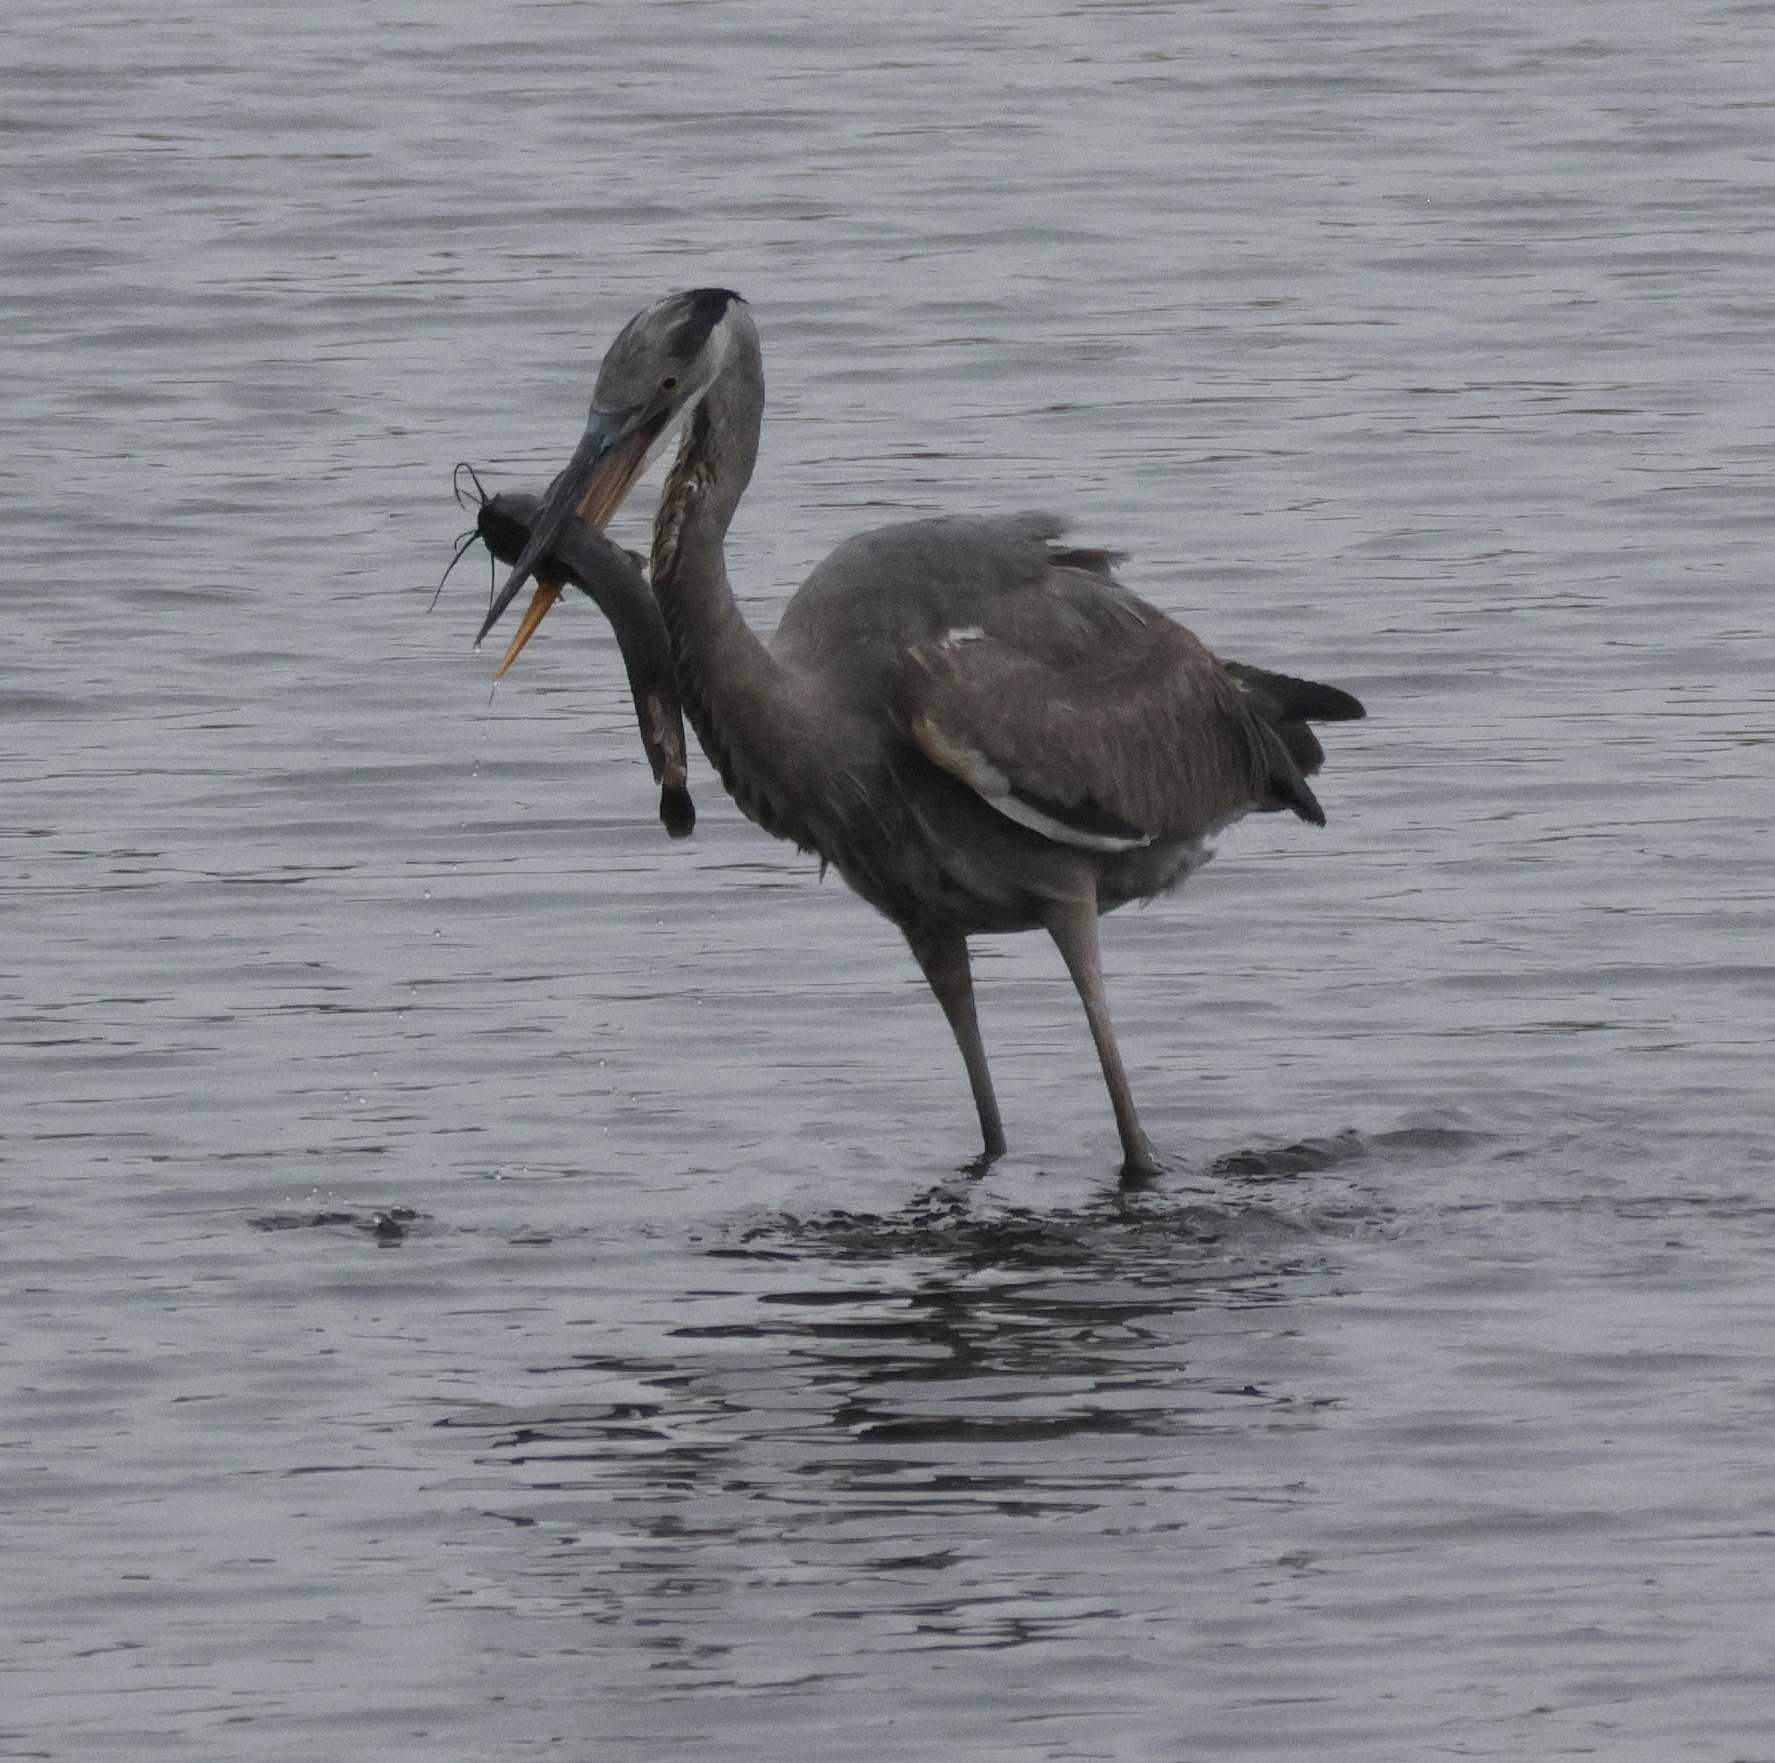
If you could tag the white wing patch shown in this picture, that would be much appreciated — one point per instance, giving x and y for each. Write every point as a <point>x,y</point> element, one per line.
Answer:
<point>1015,808</point>
<point>994,788</point>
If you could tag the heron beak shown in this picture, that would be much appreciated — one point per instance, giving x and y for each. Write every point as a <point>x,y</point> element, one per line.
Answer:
<point>541,604</point>
<point>611,454</point>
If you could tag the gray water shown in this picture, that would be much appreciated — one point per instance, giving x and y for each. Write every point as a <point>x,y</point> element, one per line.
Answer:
<point>484,1282</point>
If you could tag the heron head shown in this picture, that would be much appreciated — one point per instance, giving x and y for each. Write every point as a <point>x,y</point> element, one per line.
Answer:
<point>662,363</point>
<point>665,358</point>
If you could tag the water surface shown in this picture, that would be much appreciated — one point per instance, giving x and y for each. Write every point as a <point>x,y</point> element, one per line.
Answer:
<point>485,1281</point>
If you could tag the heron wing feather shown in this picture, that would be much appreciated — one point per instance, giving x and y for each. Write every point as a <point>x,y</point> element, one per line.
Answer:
<point>1075,701</point>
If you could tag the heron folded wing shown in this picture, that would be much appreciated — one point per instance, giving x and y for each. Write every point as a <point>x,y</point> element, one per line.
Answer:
<point>1297,700</point>
<point>1091,718</point>
<point>1288,705</point>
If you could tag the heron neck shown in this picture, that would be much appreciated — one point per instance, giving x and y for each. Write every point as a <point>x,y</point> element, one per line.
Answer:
<point>709,476</point>
<point>746,708</point>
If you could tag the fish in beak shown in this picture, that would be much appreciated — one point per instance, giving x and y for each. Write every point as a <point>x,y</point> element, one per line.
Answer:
<point>612,453</point>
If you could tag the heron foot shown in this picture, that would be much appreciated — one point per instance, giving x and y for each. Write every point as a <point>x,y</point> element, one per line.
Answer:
<point>1139,1171</point>
<point>989,1154</point>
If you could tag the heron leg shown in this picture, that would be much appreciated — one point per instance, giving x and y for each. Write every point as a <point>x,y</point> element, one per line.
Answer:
<point>1073,926</point>
<point>943,955</point>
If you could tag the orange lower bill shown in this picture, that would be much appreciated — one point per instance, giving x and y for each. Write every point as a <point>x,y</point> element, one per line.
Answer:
<point>603,494</point>
<point>547,593</point>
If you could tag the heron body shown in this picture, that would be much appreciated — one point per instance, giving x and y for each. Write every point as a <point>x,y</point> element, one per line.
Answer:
<point>974,723</point>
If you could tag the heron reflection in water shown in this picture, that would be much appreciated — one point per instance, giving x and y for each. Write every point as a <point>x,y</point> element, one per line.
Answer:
<point>970,720</point>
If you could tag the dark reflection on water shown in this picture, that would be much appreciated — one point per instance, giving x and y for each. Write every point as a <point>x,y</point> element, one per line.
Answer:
<point>1010,1327</point>
<point>900,1444</point>
<point>388,1225</point>
<point>1198,1450</point>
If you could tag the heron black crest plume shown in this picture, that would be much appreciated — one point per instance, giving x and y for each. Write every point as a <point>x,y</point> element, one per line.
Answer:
<point>704,308</point>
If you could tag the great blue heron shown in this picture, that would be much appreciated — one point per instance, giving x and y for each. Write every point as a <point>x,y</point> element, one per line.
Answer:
<point>974,723</point>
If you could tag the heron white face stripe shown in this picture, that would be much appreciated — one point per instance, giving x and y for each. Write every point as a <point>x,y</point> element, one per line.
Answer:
<point>709,364</point>
<point>715,349</point>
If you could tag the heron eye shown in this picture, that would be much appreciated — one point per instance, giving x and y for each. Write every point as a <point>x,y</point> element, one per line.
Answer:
<point>669,383</point>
